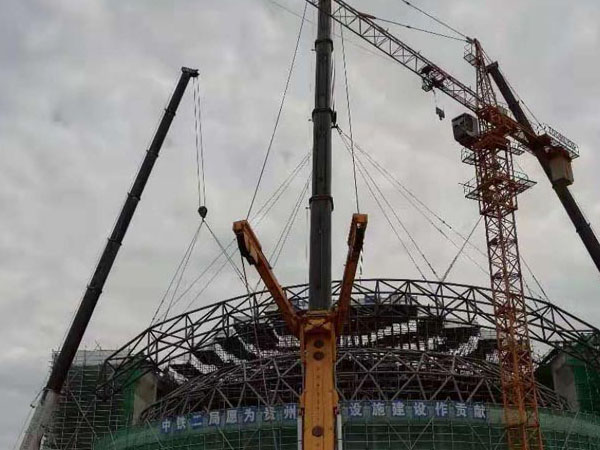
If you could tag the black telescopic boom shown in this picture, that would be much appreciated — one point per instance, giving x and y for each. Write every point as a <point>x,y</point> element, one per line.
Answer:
<point>560,187</point>
<point>321,202</point>
<point>90,299</point>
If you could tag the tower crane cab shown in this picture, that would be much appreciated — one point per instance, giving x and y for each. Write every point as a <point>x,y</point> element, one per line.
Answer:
<point>465,129</point>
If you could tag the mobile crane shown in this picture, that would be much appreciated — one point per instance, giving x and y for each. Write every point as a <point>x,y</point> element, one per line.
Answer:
<point>491,138</point>
<point>41,419</point>
<point>317,329</point>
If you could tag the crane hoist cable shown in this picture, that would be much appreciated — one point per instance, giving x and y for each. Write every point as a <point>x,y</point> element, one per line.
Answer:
<point>199,140</point>
<point>279,112</point>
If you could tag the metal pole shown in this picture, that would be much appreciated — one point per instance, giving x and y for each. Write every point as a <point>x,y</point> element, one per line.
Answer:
<point>321,202</point>
<point>62,364</point>
<point>563,193</point>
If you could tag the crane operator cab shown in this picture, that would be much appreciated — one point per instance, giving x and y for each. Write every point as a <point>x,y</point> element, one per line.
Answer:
<point>465,129</point>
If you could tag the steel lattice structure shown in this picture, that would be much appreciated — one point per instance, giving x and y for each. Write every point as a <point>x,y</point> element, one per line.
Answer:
<point>442,334</point>
<point>497,188</point>
<point>362,374</point>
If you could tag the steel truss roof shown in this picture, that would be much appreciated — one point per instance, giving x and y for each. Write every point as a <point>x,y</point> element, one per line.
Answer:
<point>388,319</point>
<point>361,375</point>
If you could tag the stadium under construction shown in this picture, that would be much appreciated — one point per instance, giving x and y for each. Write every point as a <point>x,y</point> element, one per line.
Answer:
<point>357,363</point>
<point>416,369</point>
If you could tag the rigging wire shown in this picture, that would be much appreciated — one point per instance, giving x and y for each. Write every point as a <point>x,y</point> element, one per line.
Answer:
<point>278,249</point>
<point>282,103</point>
<point>521,101</point>
<point>201,275</point>
<point>268,205</point>
<point>183,261</point>
<point>461,249</point>
<point>362,172</point>
<point>347,85</point>
<point>257,217</point>
<point>423,30</point>
<point>285,232</point>
<point>223,250</point>
<point>393,210</point>
<point>415,202</point>
<point>466,240</point>
<point>199,145</point>
<point>434,18</point>
<point>539,285</point>
<point>313,23</point>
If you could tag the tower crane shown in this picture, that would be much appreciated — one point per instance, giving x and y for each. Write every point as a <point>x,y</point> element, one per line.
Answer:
<point>490,138</point>
<point>553,150</point>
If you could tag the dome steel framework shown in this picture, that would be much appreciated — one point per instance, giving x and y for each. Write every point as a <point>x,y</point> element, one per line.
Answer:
<point>404,339</point>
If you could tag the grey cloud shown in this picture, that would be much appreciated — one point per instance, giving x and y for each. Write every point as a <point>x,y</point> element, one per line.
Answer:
<point>82,85</point>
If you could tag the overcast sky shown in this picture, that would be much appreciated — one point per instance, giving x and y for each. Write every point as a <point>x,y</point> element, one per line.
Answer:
<point>83,84</point>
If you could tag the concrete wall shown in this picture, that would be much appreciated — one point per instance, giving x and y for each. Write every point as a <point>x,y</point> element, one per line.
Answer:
<point>144,395</point>
<point>564,379</point>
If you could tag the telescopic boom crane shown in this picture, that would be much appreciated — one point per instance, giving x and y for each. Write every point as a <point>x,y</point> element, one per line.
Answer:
<point>553,150</point>
<point>42,416</point>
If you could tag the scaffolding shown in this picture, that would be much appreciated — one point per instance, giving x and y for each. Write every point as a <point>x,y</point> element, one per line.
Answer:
<point>81,416</point>
<point>561,431</point>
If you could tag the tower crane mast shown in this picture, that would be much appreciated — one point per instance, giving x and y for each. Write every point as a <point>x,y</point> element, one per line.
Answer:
<point>496,187</point>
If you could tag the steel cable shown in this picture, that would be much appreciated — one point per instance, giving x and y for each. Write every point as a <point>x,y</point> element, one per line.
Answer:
<point>282,103</point>
<point>362,171</point>
<point>200,172</point>
<point>434,18</point>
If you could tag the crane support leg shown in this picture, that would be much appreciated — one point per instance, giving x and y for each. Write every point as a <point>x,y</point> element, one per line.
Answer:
<point>589,239</point>
<point>356,238</point>
<point>251,249</point>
